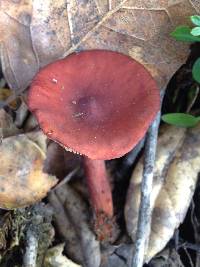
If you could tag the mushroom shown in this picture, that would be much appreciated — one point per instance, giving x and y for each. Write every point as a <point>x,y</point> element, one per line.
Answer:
<point>99,104</point>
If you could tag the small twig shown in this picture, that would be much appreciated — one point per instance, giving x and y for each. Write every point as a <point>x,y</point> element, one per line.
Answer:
<point>195,224</point>
<point>193,100</point>
<point>189,257</point>
<point>67,178</point>
<point>187,245</point>
<point>145,211</point>
<point>176,239</point>
<point>38,233</point>
<point>30,256</point>
<point>144,220</point>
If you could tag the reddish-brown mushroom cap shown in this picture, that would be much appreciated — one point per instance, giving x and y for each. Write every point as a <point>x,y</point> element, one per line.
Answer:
<point>98,103</point>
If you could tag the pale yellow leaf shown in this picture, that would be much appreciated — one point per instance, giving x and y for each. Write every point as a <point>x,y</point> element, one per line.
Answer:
<point>169,140</point>
<point>23,181</point>
<point>176,170</point>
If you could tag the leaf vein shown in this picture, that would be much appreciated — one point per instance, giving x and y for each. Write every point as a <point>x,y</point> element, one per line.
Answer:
<point>105,17</point>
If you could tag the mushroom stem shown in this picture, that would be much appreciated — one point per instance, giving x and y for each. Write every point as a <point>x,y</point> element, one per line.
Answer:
<point>100,196</point>
<point>99,186</point>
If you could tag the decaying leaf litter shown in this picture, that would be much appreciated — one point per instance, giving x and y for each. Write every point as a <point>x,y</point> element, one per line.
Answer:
<point>34,34</point>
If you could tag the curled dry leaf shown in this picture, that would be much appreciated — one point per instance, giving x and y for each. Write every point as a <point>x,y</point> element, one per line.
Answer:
<point>176,172</point>
<point>23,181</point>
<point>34,33</point>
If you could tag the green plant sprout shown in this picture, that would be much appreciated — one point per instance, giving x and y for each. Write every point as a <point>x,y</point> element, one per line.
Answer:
<point>186,34</point>
<point>181,119</point>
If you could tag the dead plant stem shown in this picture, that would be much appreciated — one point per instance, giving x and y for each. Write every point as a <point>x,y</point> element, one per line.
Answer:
<point>144,219</point>
<point>30,256</point>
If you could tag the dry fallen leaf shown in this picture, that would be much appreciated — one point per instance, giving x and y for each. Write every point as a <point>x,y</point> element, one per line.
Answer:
<point>60,162</point>
<point>176,171</point>
<point>169,140</point>
<point>23,181</point>
<point>4,94</point>
<point>7,126</point>
<point>65,229</point>
<point>55,258</point>
<point>21,115</point>
<point>34,33</point>
<point>78,214</point>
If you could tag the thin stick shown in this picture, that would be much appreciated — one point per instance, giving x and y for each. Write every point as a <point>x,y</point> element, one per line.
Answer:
<point>144,219</point>
<point>67,178</point>
<point>30,257</point>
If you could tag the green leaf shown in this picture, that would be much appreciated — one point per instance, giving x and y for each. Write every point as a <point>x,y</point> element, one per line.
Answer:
<point>195,31</point>
<point>196,70</point>
<point>181,119</point>
<point>195,20</point>
<point>183,33</point>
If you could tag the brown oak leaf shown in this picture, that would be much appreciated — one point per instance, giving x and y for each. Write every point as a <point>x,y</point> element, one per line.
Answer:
<point>34,33</point>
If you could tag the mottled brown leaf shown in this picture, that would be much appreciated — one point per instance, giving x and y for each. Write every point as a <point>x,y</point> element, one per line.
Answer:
<point>34,33</point>
<point>23,181</point>
<point>19,62</point>
<point>175,175</point>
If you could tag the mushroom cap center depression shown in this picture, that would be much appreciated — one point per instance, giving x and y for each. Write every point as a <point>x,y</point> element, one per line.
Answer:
<point>88,108</point>
<point>98,103</point>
